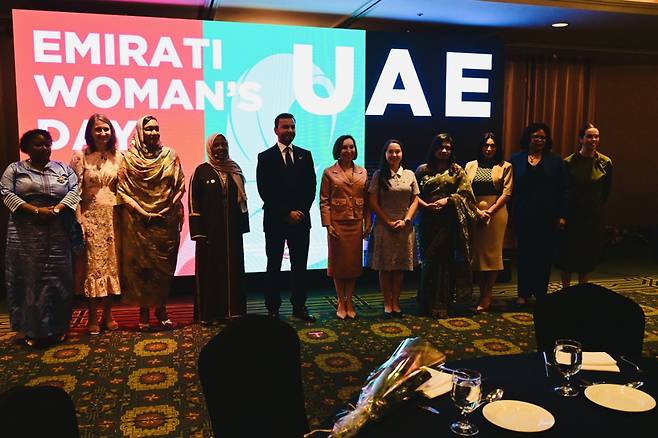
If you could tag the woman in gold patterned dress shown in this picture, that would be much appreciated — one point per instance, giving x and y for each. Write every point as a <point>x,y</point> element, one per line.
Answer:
<point>151,184</point>
<point>445,226</point>
<point>96,167</point>
<point>491,179</point>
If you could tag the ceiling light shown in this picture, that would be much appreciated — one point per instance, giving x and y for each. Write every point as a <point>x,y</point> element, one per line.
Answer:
<point>560,24</point>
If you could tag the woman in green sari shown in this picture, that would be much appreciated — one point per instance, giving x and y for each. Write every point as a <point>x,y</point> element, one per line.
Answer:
<point>446,220</point>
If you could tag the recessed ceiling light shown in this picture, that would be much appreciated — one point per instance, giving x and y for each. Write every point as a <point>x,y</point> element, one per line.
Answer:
<point>560,24</point>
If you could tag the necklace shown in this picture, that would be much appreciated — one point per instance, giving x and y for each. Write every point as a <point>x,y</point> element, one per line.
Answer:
<point>532,159</point>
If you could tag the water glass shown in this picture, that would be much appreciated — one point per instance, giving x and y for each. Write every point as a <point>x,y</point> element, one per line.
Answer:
<point>465,394</point>
<point>568,360</point>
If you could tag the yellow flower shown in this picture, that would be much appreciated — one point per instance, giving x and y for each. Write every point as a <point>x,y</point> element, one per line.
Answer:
<point>149,421</point>
<point>496,346</point>
<point>522,318</point>
<point>66,353</point>
<point>391,330</point>
<point>147,379</point>
<point>317,335</point>
<point>155,347</point>
<point>337,362</point>
<point>65,381</point>
<point>459,324</point>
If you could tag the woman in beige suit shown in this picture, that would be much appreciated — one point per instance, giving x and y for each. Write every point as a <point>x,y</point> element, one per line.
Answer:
<point>345,214</point>
<point>491,179</point>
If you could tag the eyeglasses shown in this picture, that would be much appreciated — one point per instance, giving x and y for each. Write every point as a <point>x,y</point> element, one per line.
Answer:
<point>538,137</point>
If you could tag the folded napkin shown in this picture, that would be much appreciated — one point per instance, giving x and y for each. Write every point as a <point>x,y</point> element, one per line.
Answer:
<point>594,361</point>
<point>440,383</point>
<point>599,361</point>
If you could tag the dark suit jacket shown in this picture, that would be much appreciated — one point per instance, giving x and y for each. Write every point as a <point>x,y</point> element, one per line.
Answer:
<point>285,190</point>
<point>547,205</point>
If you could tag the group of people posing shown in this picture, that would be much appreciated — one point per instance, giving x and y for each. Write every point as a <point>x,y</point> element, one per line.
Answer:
<point>454,219</point>
<point>114,219</point>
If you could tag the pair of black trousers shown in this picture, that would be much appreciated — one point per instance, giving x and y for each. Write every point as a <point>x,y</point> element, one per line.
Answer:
<point>535,255</point>
<point>298,241</point>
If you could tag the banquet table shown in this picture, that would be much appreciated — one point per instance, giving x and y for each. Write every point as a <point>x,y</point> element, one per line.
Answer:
<point>524,377</point>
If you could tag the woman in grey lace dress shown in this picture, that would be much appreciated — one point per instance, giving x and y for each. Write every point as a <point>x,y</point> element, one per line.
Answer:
<point>392,249</point>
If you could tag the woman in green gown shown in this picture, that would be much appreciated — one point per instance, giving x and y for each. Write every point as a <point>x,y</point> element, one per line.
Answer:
<point>590,180</point>
<point>445,226</point>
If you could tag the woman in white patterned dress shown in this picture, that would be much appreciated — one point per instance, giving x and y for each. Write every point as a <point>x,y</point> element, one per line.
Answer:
<point>96,167</point>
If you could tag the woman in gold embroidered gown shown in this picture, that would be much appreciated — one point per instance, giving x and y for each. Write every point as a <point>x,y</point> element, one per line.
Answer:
<point>446,220</point>
<point>96,167</point>
<point>151,184</point>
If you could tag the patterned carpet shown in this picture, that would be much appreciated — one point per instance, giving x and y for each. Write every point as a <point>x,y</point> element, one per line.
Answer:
<point>132,384</point>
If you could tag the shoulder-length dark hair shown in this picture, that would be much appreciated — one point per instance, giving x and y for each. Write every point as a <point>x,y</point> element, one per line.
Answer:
<point>384,168</point>
<point>338,145</point>
<point>498,155</point>
<point>532,128</point>
<point>583,129</point>
<point>111,143</point>
<point>435,145</point>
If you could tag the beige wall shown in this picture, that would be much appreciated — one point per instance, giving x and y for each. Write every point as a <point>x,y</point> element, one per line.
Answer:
<point>626,111</point>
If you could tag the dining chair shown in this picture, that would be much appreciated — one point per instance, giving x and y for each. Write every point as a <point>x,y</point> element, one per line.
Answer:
<point>601,319</point>
<point>37,411</point>
<point>251,377</point>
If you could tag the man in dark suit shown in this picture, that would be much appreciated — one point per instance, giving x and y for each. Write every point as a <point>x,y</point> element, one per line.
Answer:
<point>286,183</point>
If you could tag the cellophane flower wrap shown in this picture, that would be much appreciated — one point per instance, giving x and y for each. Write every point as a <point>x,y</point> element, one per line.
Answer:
<point>390,384</point>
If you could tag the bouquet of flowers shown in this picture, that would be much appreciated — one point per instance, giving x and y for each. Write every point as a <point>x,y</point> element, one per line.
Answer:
<point>393,382</point>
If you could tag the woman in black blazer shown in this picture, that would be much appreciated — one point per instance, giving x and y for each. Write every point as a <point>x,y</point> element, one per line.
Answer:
<point>539,206</point>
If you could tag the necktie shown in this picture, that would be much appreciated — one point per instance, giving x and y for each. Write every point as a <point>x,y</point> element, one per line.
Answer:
<point>288,153</point>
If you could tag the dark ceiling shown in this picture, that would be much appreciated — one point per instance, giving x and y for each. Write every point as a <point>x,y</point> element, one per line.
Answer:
<point>606,26</point>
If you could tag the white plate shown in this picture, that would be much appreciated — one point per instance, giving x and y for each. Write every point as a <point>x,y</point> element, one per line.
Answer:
<point>620,397</point>
<point>518,416</point>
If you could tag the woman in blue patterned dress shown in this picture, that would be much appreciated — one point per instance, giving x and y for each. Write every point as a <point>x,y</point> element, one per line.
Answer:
<point>42,196</point>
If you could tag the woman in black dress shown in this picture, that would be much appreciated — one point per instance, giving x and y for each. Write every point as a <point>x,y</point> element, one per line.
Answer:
<point>218,218</point>
<point>539,208</point>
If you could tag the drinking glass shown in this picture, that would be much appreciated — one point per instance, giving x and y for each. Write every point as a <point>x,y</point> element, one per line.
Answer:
<point>568,360</point>
<point>465,394</point>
